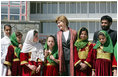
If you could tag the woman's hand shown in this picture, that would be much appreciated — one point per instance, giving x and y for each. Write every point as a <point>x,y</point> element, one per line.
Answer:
<point>32,67</point>
<point>9,72</point>
<point>38,69</point>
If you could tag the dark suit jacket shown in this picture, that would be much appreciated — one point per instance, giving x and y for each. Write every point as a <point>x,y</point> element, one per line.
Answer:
<point>112,33</point>
<point>66,46</point>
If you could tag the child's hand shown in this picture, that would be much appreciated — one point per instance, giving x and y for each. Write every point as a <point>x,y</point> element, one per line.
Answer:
<point>93,73</point>
<point>52,57</point>
<point>56,60</point>
<point>83,66</point>
<point>46,53</point>
<point>32,67</point>
<point>20,46</point>
<point>9,72</point>
<point>38,69</point>
<point>115,72</point>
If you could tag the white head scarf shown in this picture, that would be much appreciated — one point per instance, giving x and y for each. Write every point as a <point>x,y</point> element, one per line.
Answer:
<point>28,45</point>
<point>5,42</point>
<point>34,47</point>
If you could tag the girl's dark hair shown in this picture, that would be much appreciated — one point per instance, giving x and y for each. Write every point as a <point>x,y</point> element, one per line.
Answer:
<point>52,37</point>
<point>35,32</point>
<point>7,25</point>
<point>83,29</point>
<point>18,34</point>
<point>100,33</point>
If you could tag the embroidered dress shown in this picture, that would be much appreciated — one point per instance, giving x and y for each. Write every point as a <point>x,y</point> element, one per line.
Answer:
<point>51,68</point>
<point>83,54</point>
<point>114,62</point>
<point>102,54</point>
<point>13,57</point>
<point>31,53</point>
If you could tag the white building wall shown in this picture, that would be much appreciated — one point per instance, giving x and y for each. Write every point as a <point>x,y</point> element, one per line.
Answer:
<point>79,14</point>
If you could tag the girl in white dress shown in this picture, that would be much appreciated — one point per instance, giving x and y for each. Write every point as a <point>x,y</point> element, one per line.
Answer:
<point>31,55</point>
<point>5,42</point>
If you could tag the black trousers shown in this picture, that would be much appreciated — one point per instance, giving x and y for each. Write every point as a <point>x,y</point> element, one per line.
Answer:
<point>67,64</point>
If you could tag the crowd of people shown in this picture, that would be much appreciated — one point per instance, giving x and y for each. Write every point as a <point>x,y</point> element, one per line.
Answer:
<point>68,53</point>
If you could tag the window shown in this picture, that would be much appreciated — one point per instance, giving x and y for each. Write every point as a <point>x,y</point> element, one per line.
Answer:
<point>72,7</point>
<point>4,10</point>
<point>62,7</point>
<point>4,2</point>
<point>14,17</point>
<point>84,24</point>
<point>78,7</point>
<point>45,27</point>
<point>108,7</point>
<point>53,27</point>
<point>91,27</point>
<point>39,7</point>
<point>97,26</point>
<point>97,7</point>
<point>4,17</point>
<point>84,7</point>
<point>23,17</point>
<point>50,8</point>
<point>113,7</point>
<point>73,25</point>
<point>54,8</point>
<point>103,7</point>
<point>14,3</point>
<point>67,7</point>
<point>33,7</point>
<point>91,7</point>
<point>49,27</point>
<point>44,8</point>
<point>13,10</point>
<point>114,25</point>
<point>23,7</point>
<point>78,26</point>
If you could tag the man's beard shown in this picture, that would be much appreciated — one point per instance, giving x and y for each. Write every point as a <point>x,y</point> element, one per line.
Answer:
<point>105,27</point>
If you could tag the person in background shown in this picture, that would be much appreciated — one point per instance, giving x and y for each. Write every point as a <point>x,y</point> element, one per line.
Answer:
<point>106,22</point>
<point>12,60</point>
<point>5,42</point>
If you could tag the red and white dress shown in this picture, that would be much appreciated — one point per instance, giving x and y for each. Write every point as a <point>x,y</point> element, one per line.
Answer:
<point>31,53</point>
<point>84,55</point>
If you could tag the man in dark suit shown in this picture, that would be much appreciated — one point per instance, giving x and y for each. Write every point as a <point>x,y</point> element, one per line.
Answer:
<point>106,22</point>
